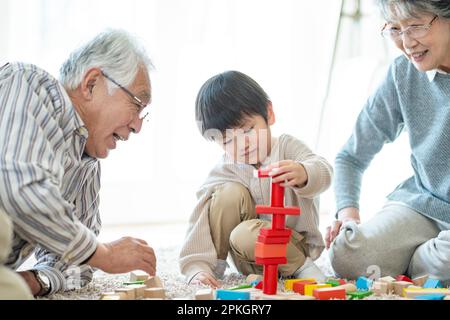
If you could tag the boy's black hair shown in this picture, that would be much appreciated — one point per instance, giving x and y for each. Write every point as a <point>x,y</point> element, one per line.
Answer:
<point>227,99</point>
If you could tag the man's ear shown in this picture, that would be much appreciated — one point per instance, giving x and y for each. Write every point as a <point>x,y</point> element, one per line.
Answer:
<point>90,80</point>
<point>270,114</point>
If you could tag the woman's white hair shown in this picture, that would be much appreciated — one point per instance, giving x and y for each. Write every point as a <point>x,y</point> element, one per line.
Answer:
<point>394,10</point>
<point>116,52</point>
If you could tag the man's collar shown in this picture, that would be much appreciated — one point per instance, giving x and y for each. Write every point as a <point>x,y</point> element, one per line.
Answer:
<point>432,73</point>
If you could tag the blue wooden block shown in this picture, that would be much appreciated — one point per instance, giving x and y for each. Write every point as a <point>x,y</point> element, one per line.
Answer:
<point>432,284</point>
<point>364,283</point>
<point>431,296</point>
<point>232,295</point>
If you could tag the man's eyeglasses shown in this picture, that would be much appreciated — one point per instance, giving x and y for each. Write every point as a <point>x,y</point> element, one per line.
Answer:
<point>142,114</point>
<point>414,32</point>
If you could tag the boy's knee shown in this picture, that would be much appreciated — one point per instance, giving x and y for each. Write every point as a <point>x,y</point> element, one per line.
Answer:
<point>229,194</point>
<point>243,237</point>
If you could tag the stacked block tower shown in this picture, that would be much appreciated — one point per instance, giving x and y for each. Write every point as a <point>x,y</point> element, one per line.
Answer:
<point>270,248</point>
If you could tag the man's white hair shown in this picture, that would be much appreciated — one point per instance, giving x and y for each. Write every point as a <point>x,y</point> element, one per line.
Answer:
<point>116,52</point>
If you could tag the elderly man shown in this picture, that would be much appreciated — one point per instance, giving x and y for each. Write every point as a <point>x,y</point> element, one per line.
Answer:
<point>52,135</point>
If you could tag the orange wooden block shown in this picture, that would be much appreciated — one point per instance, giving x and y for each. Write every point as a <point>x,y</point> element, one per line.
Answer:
<point>329,293</point>
<point>299,286</point>
<point>265,250</point>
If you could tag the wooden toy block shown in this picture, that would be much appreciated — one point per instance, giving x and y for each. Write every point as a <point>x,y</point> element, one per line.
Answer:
<point>253,277</point>
<point>299,286</point>
<point>420,281</point>
<point>138,275</point>
<point>329,293</point>
<point>359,294</point>
<point>275,233</point>
<point>114,295</point>
<point>154,282</point>
<point>263,250</point>
<point>259,285</point>
<point>390,282</point>
<point>379,288</point>
<point>387,279</point>
<point>130,293</point>
<point>290,211</point>
<point>309,288</point>
<point>348,287</point>
<point>271,261</point>
<point>138,290</point>
<point>204,294</point>
<point>333,282</point>
<point>400,285</point>
<point>232,295</point>
<point>433,296</point>
<point>289,283</point>
<point>363,283</point>
<point>432,283</point>
<point>403,278</point>
<point>447,298</point>
<point>413,292</point>
<point>155,293</point>
<point>272,240</point>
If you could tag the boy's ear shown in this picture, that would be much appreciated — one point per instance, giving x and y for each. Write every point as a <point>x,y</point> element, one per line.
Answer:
<point>270,114</point>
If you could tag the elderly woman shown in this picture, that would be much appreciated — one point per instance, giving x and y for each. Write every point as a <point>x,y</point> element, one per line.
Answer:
<point>410,234</point>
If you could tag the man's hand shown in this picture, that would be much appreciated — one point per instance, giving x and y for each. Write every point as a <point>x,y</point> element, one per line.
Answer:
<point>345,215</point>
<point>124,255</point>
<point>291,173</point>
<point>31,281</point>
<point>205,278</point>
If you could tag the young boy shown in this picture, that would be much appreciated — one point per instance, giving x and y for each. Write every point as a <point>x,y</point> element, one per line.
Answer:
<point>235,112</point>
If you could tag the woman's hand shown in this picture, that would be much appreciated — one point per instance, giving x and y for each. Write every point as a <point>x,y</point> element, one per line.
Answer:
<point>289,172</point>
<point>205,278</point>
<point>345,215</point>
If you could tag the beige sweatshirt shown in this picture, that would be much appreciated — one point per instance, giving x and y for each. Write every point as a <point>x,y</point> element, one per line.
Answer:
<point>198,252</point>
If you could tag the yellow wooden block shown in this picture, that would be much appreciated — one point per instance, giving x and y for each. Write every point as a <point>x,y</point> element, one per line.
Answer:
<point>289,283</point>
<point>414,292</point>
<point>309,288</point>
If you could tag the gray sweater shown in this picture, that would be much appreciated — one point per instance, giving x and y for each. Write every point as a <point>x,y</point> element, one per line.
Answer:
<point>198,252</point>
<point>406,100</point>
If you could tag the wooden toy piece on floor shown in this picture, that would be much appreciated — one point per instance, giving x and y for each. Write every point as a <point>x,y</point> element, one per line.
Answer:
<point>363,283</point>
<point>204,294</point>
<point>379,288</point>
<point>432,284</point>
<point>138,275</point>
<point>130,293</point>
<point>403,278</point>
<point>432,296</point>
<point>414,292</point>
<point>329,293</point>
<point>232,295</point>
<point>390,282</point>
<point>155,293</point>
<point>264,250</point>
<point>400,285</point>
<point>335,282</point>
<point>299,286</point>
<point>420,281</point>
<point>289,283</point>
<point>309,288</point>
<point>113,296</point>
<point>253,277</point>
<point>348,287</point>
<point>359,294</point>
<point>154,282</point>
<point>138,290</point>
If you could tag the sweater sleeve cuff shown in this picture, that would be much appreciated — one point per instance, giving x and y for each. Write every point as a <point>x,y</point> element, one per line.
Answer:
<point>82,246</point>
<point>314,181</point>
<point>56,278</point>
<point>191,270</point>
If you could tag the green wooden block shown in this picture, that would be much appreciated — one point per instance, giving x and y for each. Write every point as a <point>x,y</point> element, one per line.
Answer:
<point>333,282</point>
<point>359,294</point>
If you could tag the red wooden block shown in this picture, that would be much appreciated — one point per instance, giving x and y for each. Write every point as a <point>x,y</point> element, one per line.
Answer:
<point>329,293</point>
<point>261,173</point>
<point>265,250</point>
<point>259,285</point>
<point>299,286</point>
<point>403,278</point>
<point>275,233</point>
<point>265,239</point>
<point>342,281</point>
<point>271,261</point>
<point>291,211</point>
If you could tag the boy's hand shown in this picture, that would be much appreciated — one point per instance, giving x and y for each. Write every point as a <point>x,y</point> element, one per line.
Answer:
<point>345,215</point>
<point>292,173</point>
<point>205,278</point>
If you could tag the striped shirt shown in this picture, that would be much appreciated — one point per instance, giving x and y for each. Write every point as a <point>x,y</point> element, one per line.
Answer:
<point>406,100</point>
<point>198,252</point>
<point>48,186</point>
